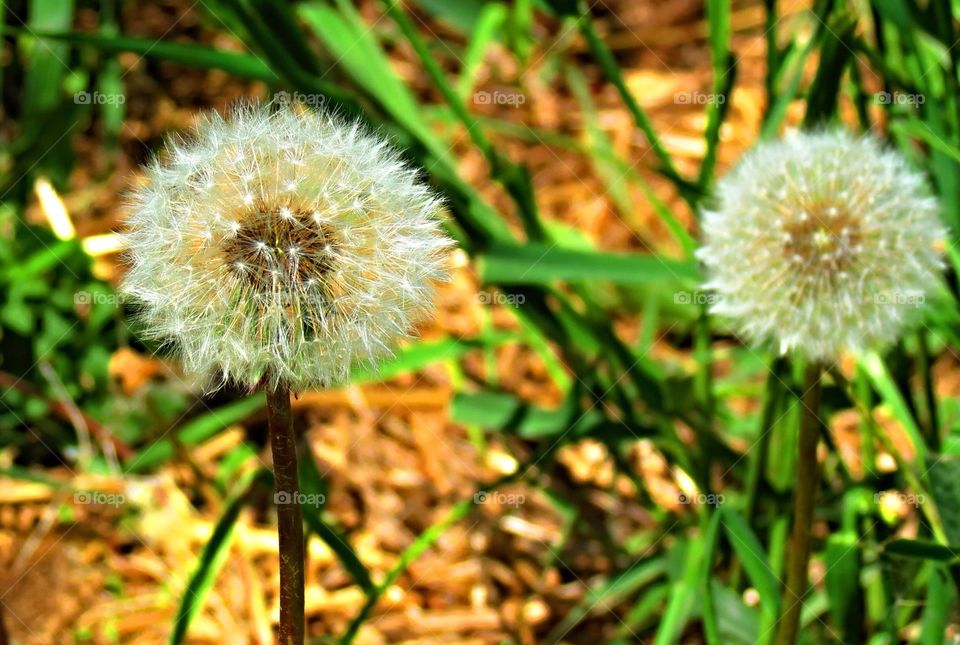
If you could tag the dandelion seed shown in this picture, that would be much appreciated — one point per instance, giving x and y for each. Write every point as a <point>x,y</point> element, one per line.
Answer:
<point>814,239</point>
<point>264,295</point>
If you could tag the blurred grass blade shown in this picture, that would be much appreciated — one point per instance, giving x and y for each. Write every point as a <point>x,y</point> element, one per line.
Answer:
<point>195,432</point>
<point>355,47</point>
<point>542,264</point>
<point>615,172</point>
<point>419,355</point>
<point>423,542</point>
<point>794,65</point>
<point>920,549</point>
<point>937,609</point>
<point>484,34</point>
<point>724,75</point>
<point>921,130</point>
<point>755,561</point>
<point>683,597</point>
<point>943,473</point>
<point>611,69</point>
<point>883,383</point>
<point>609,594</point>
<point>842,563</point>
<point>212,557</point>
<point>711,540</point>
<point>462,14</point>
<point>47,62</point>
<point>311,483</point>
<point>189,54</point>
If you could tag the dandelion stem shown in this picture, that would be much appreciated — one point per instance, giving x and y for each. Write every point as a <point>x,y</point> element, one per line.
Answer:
<point>798,559</point>
<point>283,443</point>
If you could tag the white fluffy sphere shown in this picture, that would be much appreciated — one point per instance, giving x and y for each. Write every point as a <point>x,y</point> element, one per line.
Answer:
<point>282,244</point>
<point>821,242</point>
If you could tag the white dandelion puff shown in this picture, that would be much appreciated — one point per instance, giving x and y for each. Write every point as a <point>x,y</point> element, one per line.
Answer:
<point>272,243</point>
<point>821,242</point>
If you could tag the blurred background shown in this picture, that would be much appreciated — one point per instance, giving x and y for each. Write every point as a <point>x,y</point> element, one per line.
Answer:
<point>573,451</point>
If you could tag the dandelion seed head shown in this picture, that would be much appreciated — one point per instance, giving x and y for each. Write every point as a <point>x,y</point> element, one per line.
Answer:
<point>821,242</point>
<point>283,261</point>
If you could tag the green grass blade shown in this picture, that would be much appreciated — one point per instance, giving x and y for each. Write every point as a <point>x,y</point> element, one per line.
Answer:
<point>212,557</point>
<point>755,561</point>
<point>542,264</point>
<point>194,432</point>
<point>484,34</point>
<point>48,61</point>
<point>235,64</point>
<point>311,483</point>
<point>724,73</point>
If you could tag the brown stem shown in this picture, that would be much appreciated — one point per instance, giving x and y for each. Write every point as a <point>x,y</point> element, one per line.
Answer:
<point>289,524</point>
<point>804,493</point>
